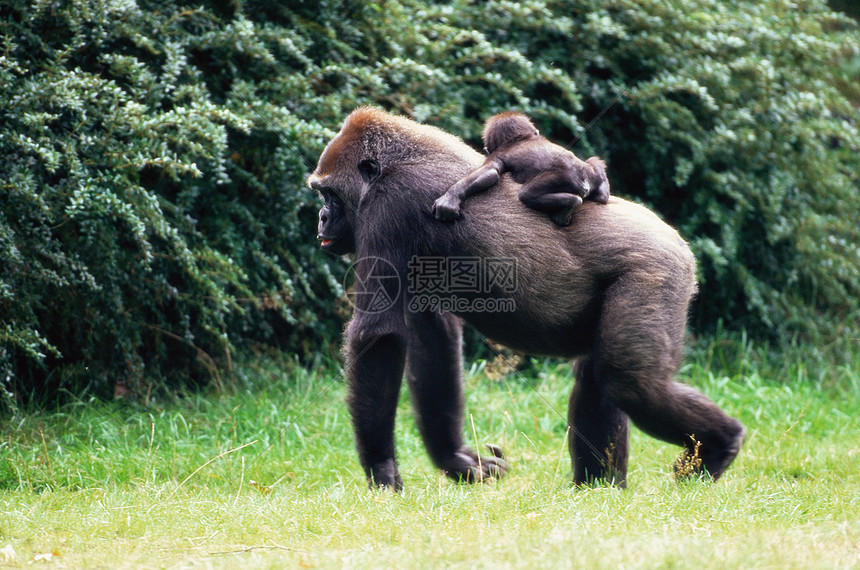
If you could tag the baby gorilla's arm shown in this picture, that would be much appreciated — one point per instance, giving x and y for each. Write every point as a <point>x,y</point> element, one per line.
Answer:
<point>447,206</point>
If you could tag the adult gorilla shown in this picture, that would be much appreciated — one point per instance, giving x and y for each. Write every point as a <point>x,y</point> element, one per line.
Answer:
<point>612,288</point>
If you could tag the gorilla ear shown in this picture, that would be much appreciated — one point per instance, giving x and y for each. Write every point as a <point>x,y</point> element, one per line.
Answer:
<point>369,169</point>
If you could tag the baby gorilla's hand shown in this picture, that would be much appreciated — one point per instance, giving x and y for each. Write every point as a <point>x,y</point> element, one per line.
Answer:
<point>446,207</point>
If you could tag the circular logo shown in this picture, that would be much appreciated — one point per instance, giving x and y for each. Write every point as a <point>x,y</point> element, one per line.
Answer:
<point>372,284</point>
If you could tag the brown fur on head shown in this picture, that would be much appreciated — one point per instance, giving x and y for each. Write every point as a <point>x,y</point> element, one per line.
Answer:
<point>392,141</point>
<point>506,128</point>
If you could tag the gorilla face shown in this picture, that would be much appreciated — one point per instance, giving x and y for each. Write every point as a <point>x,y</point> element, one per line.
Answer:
<point>335,230</point>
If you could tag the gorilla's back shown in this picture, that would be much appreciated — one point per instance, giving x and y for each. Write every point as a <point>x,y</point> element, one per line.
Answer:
<point>561,272</point>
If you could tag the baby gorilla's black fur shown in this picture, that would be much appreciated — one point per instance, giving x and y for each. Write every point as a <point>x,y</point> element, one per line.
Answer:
<point>554,180</point>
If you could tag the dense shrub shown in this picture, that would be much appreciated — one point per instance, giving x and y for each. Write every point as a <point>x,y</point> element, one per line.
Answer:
<point>153,211</point>
<point>153,215</point>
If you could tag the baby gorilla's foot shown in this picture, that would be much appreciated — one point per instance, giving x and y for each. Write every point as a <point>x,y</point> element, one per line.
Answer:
<point>564,217</point>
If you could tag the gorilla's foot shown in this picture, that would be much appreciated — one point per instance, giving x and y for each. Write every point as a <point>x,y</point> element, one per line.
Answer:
<point>717,461</point>
<point>466,466</point>
<point>384,475</point>
<point>711,462</point>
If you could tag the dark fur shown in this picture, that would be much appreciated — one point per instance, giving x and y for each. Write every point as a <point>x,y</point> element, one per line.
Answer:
<point>613,289</point>
<point>554,180</point>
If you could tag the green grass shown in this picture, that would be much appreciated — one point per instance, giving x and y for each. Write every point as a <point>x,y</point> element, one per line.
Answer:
<point>117,485</point>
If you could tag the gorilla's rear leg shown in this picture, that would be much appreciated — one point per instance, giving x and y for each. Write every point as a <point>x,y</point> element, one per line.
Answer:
<point>635,360</point>
<point>598,436</point>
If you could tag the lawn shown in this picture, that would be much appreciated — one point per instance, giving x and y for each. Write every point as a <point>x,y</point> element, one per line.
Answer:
<point>264,475</point>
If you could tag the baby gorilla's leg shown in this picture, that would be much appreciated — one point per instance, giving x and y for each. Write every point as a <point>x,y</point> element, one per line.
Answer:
<point>554,194</point>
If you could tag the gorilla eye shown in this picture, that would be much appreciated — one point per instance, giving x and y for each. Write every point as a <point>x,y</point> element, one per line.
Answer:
<point>369,169</point>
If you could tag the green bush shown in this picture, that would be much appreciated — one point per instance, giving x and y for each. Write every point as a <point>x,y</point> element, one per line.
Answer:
<point>154,219</point>
<point>154,215</point>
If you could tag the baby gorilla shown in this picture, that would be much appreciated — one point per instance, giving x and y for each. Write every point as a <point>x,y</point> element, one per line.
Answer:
<point>554,180</point>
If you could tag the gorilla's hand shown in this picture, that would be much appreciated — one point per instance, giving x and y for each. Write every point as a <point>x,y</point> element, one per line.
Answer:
<point>467,467</point>
<point>447,207</point>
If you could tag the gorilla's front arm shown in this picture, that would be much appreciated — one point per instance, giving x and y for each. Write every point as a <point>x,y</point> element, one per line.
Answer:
<point>375,350</point>
<point>430,344</point>
<point>374,371</point>
<point>447,206</point>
